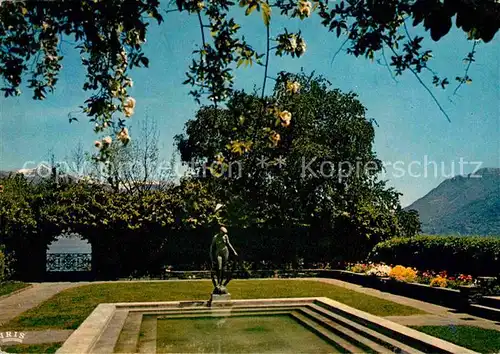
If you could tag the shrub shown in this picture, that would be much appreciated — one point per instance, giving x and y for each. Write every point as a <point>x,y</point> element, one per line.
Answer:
<point>457,254</point>
<point>2,265</point>
<point>405,274</point>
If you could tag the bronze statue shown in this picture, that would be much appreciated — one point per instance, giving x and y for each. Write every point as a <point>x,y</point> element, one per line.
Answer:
<point>219,255</point>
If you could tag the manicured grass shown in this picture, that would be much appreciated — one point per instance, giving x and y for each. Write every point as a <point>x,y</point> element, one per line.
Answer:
<point>69,308</point>
<point>475,338</point>
<point>32,348</point>
<point>11,286</point>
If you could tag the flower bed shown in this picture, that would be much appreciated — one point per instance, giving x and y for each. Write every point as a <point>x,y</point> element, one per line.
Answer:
<point>412,275</point>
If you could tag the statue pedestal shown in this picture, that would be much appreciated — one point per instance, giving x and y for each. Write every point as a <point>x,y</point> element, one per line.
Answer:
<point>221,300</point>
<point>220,297</point>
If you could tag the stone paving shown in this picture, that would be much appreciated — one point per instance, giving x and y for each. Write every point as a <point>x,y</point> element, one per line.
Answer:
<point>14,305</point>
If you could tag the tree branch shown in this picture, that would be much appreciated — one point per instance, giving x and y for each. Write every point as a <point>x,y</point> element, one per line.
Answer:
<point>466,74</point>
<point>430,93</point>
<point>387,66</point>
<point>418,76</point>
<point>267,61</point>
<point>339,50</point>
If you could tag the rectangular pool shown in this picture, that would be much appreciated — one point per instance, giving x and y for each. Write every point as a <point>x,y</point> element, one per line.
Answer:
<point>238,334</point>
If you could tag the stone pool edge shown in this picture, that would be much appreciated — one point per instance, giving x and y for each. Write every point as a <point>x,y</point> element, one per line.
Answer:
<point>91,330</point>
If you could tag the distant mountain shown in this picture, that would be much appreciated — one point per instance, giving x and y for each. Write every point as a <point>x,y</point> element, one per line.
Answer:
<point>42,172</point>
<point>465,205</point>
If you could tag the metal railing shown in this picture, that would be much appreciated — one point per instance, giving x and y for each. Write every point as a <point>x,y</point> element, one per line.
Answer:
<point>69,262</point>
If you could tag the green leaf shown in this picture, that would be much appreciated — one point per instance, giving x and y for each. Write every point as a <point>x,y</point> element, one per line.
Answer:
<point>250,9</point>
<point>145,61</point>
<point>266,13</point>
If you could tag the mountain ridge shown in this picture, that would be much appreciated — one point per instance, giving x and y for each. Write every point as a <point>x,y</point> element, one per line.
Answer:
<point>465,205</point>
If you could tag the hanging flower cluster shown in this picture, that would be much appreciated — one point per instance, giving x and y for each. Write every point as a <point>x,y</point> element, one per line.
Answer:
<point>275,138</point>
<point>304,9</point>
<point>123,136</point>
<point>293,87</point>
<point>104,143</point>
<point>290,43</point>
<point>285,118</point>
<point>129,107</point>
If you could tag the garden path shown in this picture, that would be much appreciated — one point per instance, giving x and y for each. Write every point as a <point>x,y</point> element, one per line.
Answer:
<point>17,303</point>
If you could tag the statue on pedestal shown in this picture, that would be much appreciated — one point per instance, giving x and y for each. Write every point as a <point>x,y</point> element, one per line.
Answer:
<point>219,255</point>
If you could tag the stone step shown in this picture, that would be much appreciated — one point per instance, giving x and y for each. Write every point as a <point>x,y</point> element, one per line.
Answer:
<point>373,335</point>
<point>200,308</point>
<point>129,336</point>
<point>216,310</point>
<point>340,344</point>
<point>359,339</point>
<point>235,309</point>
<point>107,341</point>
<point>221,314</point>
<point>490,313</point>
<point>415,339</point>
<point>490,301</point>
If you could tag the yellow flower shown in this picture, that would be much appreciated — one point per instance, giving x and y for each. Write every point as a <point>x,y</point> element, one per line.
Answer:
<point>403,274</point>
<point>305,8</point>
<point>200,5</point>
<point>293,87</point>
<point>123,136</point>
<point>439,281</point>
<point>240,147</point>
<point>129,106</point>
<point>275,138</point>
<point>219,158</point>
<point>285,117</point>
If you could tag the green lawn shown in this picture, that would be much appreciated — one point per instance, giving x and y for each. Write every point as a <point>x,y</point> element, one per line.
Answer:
<point>11,286</point>
<point>32,348</point>
<point>478,339</point>
<point>69,308</point>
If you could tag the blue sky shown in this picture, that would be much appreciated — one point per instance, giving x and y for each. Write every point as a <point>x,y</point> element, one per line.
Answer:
<point>411,129</point>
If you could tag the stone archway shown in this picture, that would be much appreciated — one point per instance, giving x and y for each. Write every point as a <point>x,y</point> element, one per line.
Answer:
<point>69,258</point>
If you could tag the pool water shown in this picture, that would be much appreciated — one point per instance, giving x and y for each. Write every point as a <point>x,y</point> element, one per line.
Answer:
<point>238,334</point>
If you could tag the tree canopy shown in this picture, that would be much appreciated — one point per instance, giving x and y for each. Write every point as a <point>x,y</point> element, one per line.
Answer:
<point>305,158</point>
<point>109,35</point>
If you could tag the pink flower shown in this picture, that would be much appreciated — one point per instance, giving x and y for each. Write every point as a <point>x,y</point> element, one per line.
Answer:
<point>123,136</point>
<point>107,141</point>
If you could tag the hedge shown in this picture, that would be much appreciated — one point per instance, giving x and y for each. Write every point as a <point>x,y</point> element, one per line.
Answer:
<point>475,255</point>
<point>2,265</point>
